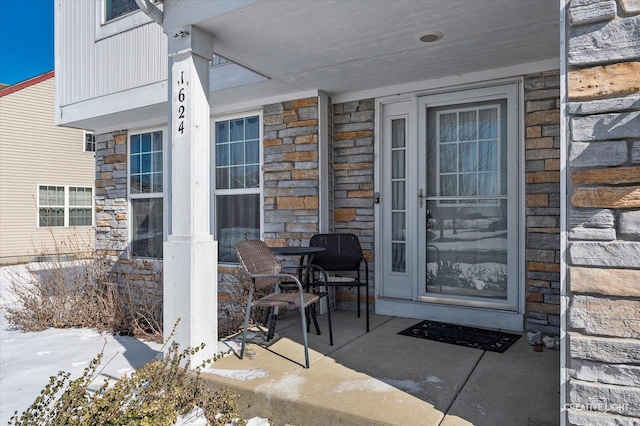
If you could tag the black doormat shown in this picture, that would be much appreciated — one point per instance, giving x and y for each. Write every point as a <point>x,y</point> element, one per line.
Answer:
<point>487,340</point>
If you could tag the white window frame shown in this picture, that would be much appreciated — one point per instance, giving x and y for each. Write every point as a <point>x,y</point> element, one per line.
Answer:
<point>84,140</point>
<point>66,207</point>
<point>131,196</point>
<point>240,191</point>
<point>120,24</point>
<point>482,200</point>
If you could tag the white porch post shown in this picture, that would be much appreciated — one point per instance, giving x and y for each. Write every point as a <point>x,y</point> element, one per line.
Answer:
<point>190,254</point>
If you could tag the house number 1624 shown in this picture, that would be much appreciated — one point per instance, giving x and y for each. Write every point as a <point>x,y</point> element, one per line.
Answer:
<point>181,102</point>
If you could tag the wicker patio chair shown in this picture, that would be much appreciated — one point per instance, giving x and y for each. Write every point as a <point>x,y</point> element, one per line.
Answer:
<point>343,254</point>
<point>265,270</point>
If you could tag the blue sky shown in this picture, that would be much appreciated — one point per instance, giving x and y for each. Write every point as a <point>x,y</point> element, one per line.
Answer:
<point>26,39</point>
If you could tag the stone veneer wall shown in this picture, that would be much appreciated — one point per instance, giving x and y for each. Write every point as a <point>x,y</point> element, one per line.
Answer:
<point>112,207</point>
<point>112,212</point>
<point>603,48</point>
<point>542,188</point>
<point>291,178</point>
<point>291,181</point>
<point>353,156</point>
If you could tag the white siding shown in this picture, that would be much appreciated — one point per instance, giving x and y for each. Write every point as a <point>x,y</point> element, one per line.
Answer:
<point>88,68</point>
<point>33,151</point>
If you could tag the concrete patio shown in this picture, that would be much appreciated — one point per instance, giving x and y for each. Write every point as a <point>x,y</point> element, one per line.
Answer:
<point>382,378</point>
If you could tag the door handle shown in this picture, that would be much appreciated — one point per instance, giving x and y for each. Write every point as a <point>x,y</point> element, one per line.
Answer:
<point>420,197</point>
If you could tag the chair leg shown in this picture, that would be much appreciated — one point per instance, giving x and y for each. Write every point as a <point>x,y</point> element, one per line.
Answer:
<point>358,300</point>
<point>329,319</point>
<point>303,320</point>
<point>246,324</point>
<point>312,309</point>
<point>366,291</point>
<point>265,317</point>
<point>272,327</point>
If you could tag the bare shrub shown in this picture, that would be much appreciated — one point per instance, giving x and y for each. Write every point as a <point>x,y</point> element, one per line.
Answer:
<point>62,293</point>
<point>155,394</point>
<point>235,308</point>
<point>139,310</point>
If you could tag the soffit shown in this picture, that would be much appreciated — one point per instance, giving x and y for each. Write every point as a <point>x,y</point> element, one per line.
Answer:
<point>349,46</point>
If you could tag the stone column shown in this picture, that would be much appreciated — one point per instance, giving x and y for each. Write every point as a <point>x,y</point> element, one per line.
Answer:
<point>190,254</point>
<point>603,182</point>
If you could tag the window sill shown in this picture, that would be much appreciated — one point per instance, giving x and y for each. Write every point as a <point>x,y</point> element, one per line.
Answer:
<point>120,24</point>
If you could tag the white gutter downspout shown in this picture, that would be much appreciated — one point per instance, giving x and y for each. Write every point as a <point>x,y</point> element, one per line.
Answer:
<point>564,342</point>
<point>151,10</point>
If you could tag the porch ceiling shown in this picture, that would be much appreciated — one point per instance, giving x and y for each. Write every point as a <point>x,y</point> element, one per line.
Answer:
<point>350,46</point>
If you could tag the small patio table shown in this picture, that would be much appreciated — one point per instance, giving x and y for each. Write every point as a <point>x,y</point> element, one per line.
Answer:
<point>306,257</point>
<point>306,253</point>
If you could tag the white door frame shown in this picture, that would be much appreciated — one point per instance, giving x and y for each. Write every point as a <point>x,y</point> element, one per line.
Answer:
<point>387,302</point>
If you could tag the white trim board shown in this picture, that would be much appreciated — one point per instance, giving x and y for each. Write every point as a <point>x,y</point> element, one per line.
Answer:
<point>456,82</point>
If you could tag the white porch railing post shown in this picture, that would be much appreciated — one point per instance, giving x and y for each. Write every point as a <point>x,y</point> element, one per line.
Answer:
<point>190,253</point>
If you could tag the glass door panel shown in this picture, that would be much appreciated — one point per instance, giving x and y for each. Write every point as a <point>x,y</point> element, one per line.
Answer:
<point>398,195</point>
<point>467,248</point>
<point>467,204</point>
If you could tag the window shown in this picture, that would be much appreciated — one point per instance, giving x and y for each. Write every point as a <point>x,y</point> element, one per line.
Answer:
<point>145,193</point>
<point>80,206</point>
<point>89,142</point>
<point>65,206</point>
<point>51,205</point>
<point>470,154</point>
<point>117,16</point>
<point>237,196</point>
<point>115,8</point>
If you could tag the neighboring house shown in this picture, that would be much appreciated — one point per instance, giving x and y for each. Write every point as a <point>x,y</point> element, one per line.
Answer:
<point>485,152</point>
<point>47,175</point>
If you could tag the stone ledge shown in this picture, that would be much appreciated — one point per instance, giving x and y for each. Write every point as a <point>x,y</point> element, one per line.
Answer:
<point>607,197</point>
<point>591,218</point>
<point>604,349</point>
<point>611,282</point>
<point>628,103</point>
<point>604,81</point>
<point>600,234</point>
<point>629,224</point>
<point>624,400</point>
<point>613,374</point>
<point>590,418</point>
<point>598,154</point>
<point>592,13</point>
<point>616,41</point>
<point>619,254</point>
<point>605,317</point>
<point>630,6</point>
<point>606,176</point>
<point>605,127</point>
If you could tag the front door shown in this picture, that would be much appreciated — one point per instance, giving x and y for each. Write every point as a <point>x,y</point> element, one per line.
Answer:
<point>450,216</point>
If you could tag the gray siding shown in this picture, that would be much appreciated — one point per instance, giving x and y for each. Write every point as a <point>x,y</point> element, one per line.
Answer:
<point>89,66</point>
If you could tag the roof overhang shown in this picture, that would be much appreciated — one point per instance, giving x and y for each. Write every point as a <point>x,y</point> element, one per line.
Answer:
<point>282,48</point>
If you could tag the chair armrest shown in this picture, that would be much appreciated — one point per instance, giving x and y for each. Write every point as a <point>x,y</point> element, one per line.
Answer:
<point>289,276</point>
<point>310,268</point>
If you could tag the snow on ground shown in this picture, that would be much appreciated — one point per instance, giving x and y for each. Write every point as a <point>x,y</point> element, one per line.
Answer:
<point>29,359</point>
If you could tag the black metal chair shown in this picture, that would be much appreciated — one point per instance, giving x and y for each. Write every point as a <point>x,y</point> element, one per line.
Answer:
<point>343,254</point>
<point>265,270</point>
